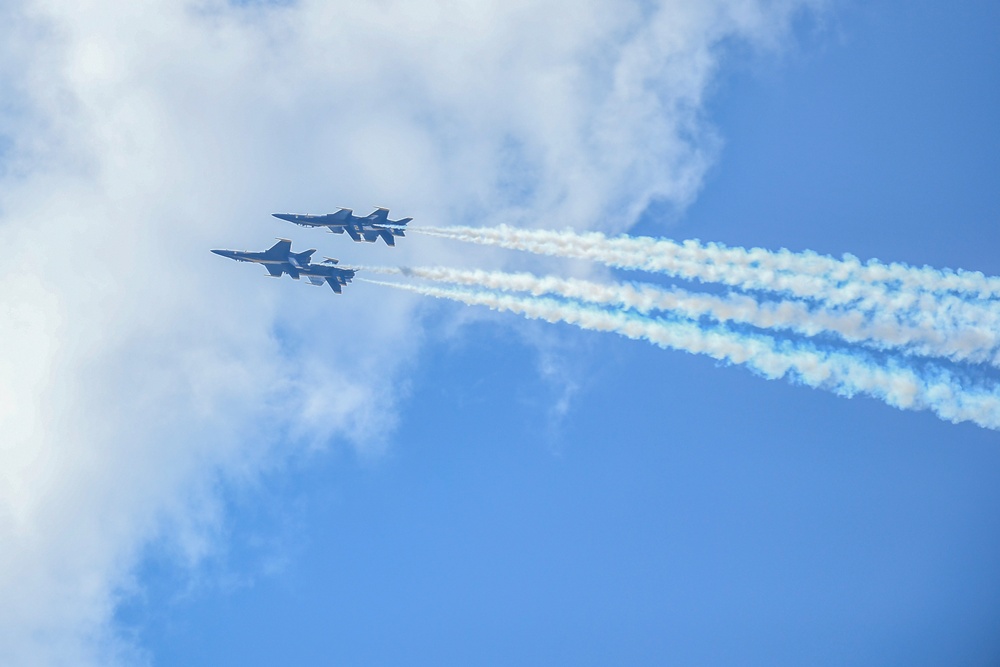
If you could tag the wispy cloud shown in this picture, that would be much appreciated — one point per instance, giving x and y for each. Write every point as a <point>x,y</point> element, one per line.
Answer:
<point>139,375</point>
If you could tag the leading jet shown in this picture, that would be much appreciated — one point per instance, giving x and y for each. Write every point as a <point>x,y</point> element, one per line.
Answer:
<point>277,259</point>
<point>367,228</point>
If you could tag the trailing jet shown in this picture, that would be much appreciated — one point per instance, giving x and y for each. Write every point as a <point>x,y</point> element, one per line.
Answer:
<point>277,259</point>
<point>367,228</point>
<point>333,276</point>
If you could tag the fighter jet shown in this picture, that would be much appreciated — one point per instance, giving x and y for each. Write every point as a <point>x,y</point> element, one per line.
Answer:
<point>333,276</point>
<point>277,259</point>
<point>367,228</point>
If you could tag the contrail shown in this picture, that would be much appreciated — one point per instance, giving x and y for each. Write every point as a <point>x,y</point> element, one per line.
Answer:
<point>844,373</point>
<point>848,269</point>
<point>925,295</point>
<point>878,331</point>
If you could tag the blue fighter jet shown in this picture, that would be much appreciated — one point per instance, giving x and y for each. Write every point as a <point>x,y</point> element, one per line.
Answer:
<point>277,259</point>
<point>333,276</point>
<point>367,228</point>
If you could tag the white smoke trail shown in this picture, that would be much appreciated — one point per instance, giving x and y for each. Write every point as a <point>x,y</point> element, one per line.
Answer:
<point>848,269</point>
<point>878,331</point>
<point>844,373</point>
<point>922,296</point>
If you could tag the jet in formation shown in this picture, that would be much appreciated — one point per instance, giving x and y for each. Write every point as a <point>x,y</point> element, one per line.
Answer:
<point>279,259</point>
<point>368,228</point>
<point>333,276</point>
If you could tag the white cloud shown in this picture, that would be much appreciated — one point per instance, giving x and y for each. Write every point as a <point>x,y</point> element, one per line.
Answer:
<point>138,370</point>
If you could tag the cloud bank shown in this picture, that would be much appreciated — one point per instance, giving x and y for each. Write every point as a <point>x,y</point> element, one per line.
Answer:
<point>140,374</point>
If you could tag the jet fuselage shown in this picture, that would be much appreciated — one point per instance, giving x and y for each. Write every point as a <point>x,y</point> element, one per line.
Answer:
<point>277,259</point>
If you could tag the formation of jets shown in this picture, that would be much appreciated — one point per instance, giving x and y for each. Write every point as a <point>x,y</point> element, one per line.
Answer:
<point>279,258</point>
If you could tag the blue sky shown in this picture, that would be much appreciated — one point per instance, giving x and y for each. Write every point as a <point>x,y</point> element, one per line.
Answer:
<point>500,490</point>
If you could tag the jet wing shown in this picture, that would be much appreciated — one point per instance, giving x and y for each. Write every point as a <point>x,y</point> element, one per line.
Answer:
<point>316,280</point>
<point>353,231</point>
<point>274,270</point>
<point>371,235</point>
<point>279,249</point>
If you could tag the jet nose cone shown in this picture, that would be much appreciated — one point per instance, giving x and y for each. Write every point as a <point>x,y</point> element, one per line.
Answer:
<point>285,216</point>
<point>225,253</point>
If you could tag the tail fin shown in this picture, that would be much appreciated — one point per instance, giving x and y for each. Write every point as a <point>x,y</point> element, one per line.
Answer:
<point>387,236</point>
<point>379,215</point>
<point>301,258</point>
